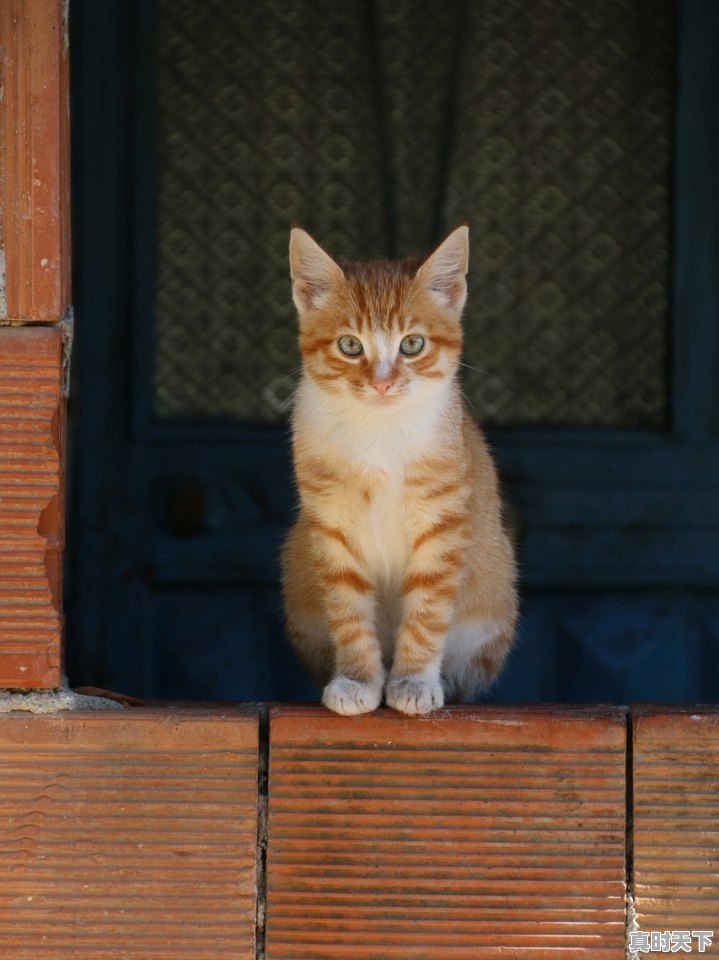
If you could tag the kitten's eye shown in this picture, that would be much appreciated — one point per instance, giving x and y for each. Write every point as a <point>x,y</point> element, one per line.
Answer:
<point>412,345</point>
<point>350,346</point>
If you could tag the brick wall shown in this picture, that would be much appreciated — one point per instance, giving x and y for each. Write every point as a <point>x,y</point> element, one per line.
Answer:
<point>34,299</point>
<point>478,832</point>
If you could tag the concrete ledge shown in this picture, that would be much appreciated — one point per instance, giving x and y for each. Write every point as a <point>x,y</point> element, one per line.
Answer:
<point>52,701</point>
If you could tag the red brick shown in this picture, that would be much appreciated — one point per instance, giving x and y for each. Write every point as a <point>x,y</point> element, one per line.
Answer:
<point>676,819</point>
<point>34,159</point>
<point>477,833</point>
<point>128,834</point>
<point>31,506</point>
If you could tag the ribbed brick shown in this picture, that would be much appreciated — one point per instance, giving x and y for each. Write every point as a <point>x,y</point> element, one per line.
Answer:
<point>128,835</point>
<point>31,522</point>
<point>477,833</point>
<point>34,160</point>
<point>676,820</point>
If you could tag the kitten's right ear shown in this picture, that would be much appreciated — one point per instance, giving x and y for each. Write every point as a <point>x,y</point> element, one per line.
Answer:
<point>312,270</point>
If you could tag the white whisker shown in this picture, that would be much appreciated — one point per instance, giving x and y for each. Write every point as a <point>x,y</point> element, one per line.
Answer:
<point>469,366</point>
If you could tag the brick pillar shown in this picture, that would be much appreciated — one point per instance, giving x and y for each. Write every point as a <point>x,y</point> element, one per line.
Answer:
<point>34,300</point>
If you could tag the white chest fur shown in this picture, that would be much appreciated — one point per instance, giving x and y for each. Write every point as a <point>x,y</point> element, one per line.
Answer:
<point>378,445</point>
<point>382,531</point>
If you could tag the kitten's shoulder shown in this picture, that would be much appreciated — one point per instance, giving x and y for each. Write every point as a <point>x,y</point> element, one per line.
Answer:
<point>477,447</point>
<point>471,431</point>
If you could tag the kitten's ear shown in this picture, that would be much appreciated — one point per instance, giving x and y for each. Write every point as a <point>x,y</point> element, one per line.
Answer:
<point>444,272</point>
<point>312,270</point>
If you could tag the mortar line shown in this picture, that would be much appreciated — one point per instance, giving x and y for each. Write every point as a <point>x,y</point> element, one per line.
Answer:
<point>630,918</point>
<point>263,757</point>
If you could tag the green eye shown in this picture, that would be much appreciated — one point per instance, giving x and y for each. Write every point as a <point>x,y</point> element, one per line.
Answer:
<point>350,346</point>
<point>412,345</point>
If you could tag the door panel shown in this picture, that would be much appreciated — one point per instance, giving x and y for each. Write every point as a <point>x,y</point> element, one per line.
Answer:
<point>205,644</point>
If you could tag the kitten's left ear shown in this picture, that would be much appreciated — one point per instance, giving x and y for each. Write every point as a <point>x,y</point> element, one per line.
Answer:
<point>444,272</point>
<point>312,270</point>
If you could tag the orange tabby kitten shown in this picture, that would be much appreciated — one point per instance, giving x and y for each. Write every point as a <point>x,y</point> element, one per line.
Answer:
<point>398,576</point>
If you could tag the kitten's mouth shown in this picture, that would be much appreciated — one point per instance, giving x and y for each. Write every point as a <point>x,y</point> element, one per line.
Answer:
<point>381,398</point>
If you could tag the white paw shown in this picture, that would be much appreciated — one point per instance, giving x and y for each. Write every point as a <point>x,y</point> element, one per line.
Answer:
<point>414,694</point>
<point>349,697</point>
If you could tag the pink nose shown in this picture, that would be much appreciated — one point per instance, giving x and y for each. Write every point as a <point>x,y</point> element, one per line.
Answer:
<point>381,385</point>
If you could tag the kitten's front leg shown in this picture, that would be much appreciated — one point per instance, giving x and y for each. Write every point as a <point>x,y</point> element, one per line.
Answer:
<point>430,588</point>
<point>349,602</point>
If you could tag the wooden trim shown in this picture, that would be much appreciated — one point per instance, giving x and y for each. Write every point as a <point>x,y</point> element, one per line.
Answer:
<point>34,160</point>
<point>695,301</point>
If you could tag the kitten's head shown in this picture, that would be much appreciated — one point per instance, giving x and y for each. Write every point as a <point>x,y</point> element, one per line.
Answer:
<point>381,331</point>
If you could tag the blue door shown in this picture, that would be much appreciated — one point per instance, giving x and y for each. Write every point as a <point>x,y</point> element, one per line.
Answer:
<point>581,140</point>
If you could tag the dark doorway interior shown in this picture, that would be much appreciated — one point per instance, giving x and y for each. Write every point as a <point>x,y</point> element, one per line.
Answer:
<point>583,149</point>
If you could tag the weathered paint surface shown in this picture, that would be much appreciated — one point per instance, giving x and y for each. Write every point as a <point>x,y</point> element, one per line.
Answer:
<point>478,832</point>
<point>128,834</point>
<point>31,506</point>
<point>676,820</point>
<point>34,160</point>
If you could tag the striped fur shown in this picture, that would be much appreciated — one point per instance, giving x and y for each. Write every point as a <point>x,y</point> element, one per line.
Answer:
<point>398,576</point>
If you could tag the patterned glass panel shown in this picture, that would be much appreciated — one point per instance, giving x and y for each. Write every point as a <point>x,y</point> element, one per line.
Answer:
<point>379,125</point>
